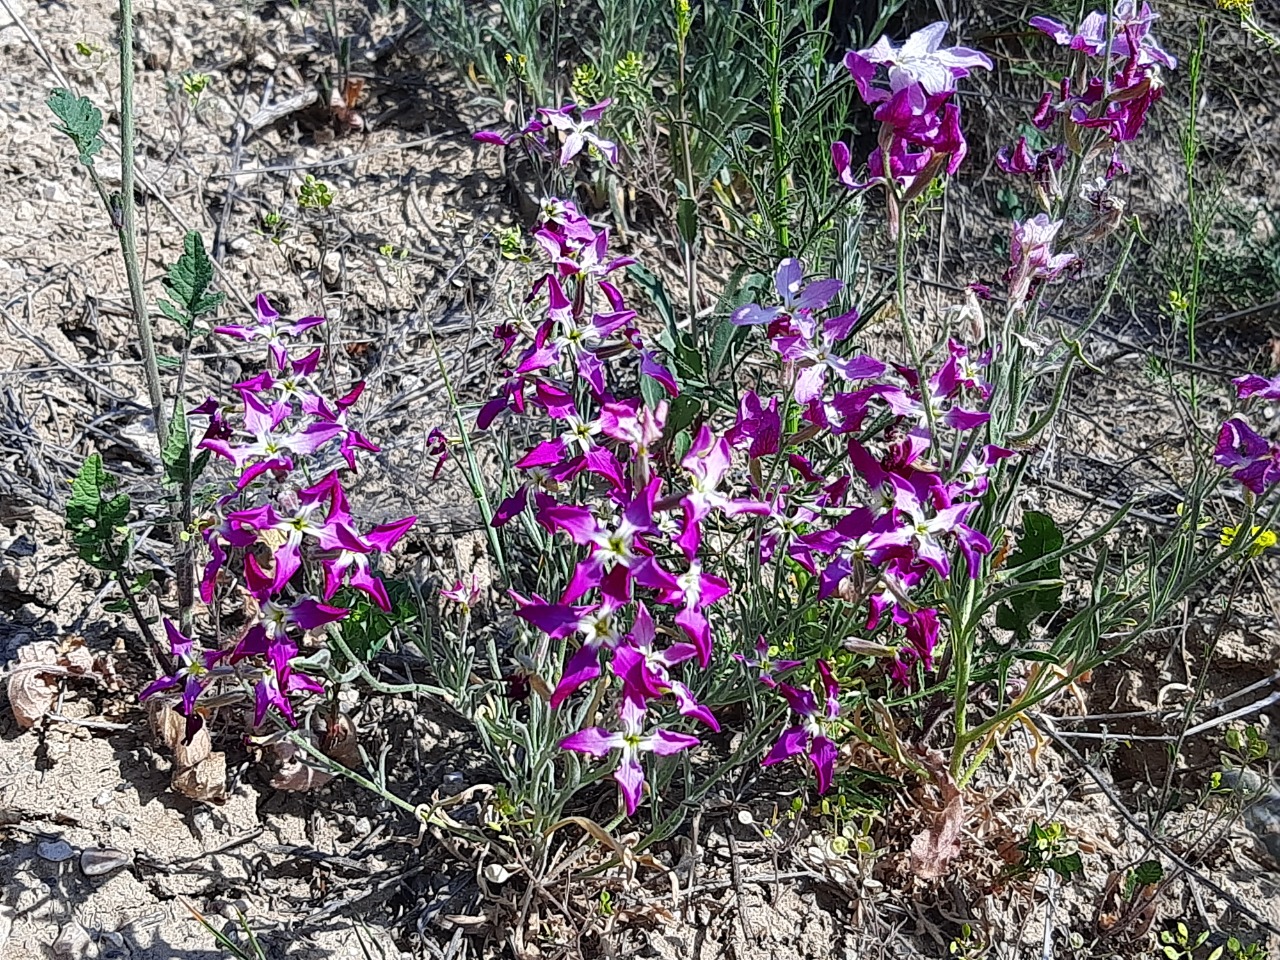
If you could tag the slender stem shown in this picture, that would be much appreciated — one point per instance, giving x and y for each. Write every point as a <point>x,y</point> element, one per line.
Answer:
<point>128,226</point>
<point>781,225</point>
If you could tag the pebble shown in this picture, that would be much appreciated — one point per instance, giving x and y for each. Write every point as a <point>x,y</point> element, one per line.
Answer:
<point>99,861</point>
<point>55,851</point>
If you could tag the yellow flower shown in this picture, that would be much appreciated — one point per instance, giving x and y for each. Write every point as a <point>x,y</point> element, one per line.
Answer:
<point>1242,7</point>
<point>1260,539</point>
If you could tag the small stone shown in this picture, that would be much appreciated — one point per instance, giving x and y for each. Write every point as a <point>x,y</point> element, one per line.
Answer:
<point>362,828</point>
<point>55,851</point>
<point>332,267</point>
<point>241,246</point>
<point>99,861</point>
<point>74,943</point>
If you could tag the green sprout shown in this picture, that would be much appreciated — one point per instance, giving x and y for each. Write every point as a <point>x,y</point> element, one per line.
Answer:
<point>194,84</point>
<point>314,194</point>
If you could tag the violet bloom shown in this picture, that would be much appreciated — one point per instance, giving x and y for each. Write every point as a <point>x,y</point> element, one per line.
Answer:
<point>578,133</point>
<point>271,328</point>
<point>1252,460</point>
<point>598,625</point>
<point>765,664</point>
<point>758,427</point>
<point>1033,258</point>
<point>352,566</point>
<point>192,674</point>
<point>330,532</point>
<point>921,59</point>
<point>631,742</point>
<point>279,682</point>
<point>646,672</point>
<point>531,132</point>
<point>1130,32</point>
<point>1252,385</point>
<point>809,735</point>
<point>796,295</point>
<point>922,639</point>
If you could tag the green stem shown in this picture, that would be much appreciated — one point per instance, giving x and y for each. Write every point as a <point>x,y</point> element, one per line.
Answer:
<point>128,226</point>
<point>781,226</point>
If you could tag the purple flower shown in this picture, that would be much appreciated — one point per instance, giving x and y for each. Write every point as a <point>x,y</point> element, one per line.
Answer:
<point>1252,385</point>
<point>279,683</point>
<point>796,296</point>
<point>1252,460</point>
<point>630,742</point>
<point>1130,30</point>
<point>921,60</point>
<point>271,328</point>
<point>192,674</point>
<point>764,663</point>
<point>1033,258</point>
<point>809,735</point>
<point>578,132</point>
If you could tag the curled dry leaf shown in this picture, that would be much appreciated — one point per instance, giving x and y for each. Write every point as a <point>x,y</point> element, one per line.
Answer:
<point>33,691</point>
<point>934,849</point>
<point>293,772</point>
<point>198,772</point>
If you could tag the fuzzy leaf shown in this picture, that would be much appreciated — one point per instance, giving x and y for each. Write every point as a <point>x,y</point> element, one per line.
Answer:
<point>92,519</point>
<point>1040,537</point>
<point>188,285</point>
<point>176,454</point>
<point>81,121</point>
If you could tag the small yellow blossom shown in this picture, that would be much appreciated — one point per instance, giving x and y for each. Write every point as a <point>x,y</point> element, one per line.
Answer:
<point>1260,539</point>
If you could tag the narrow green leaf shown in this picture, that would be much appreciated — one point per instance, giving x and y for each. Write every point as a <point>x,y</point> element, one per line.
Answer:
<point>176,454</point>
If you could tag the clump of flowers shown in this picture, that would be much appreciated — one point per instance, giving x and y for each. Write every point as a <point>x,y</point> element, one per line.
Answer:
<point>911,87</point>
<point>872,521</point>
<point>282,533</point>
<point>1101,104</point>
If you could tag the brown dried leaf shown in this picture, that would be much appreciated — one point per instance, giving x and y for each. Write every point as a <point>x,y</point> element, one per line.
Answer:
<point>198,772</point>
<point>933,850</point>
<point>32,693</point>
<point>293,772</point>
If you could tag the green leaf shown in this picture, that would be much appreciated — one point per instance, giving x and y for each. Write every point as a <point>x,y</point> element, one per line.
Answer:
<point>176,454</point>
<point>92,519</point>
<point>1040,537</point>
<point>81,121</point>
<point>188,285</point>
<point>656,290</point>
<point>687,221</point>
<point>201,462</point>
<point>1148,872</point>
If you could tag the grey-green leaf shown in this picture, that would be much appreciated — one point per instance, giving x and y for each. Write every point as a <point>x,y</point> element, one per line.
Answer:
<point>81,121</point>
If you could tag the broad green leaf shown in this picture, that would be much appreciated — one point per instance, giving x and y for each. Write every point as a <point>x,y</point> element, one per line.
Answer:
<point>1040,537</point>
<point>188,285</point>
<point>81,121</point>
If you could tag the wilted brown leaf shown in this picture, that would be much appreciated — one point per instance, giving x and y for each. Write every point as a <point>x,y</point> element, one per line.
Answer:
<point>33,692</point>
<point>933,850</point>
<point>198,772</point>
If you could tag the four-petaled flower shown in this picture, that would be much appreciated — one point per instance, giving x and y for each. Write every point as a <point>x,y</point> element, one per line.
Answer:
<point>630,742</point>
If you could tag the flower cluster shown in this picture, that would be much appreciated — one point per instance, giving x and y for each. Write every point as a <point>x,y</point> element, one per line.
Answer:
<point>289,542</point>
<point>911,89</point>
<point>637,503</point>
<point>1101,104</point>
<point>1253,460</point>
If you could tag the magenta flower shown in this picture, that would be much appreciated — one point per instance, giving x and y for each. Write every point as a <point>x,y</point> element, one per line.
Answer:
<point>192,674</point>
<point>630,742</point>
<point>765,664</point>
<point>271,328</point>
<point>1033,258</point>
<point>1252,385</point>
<point>796,296</point>
<point>1253,461</point>
<point>646,672</point>
<point>1131,31</point>
<point>278,683</point>
<point>809,735</point>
